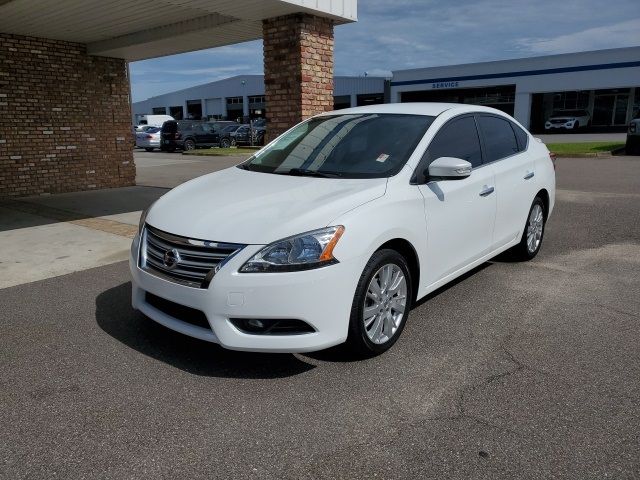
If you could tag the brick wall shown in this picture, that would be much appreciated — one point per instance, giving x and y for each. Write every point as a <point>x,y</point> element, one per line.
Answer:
<point>298,69</point>
<point>65,118</point>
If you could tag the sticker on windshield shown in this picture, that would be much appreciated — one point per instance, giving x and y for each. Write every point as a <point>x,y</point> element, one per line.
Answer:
<point>382,157</point>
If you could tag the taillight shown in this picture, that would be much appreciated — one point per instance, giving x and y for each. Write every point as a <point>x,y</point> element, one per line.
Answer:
<point>149,136</point>
<point>553,158</point>
<point>177,136</point>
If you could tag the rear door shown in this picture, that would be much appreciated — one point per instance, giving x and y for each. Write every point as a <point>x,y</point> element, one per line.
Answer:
<point>505,148</point>
<point>460,214</point>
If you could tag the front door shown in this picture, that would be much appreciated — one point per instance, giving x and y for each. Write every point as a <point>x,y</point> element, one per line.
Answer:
<point>460,214</point>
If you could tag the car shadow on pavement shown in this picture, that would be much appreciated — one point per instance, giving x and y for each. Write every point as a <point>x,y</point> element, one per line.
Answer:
<point>116,317</point>
<point>341,354</point>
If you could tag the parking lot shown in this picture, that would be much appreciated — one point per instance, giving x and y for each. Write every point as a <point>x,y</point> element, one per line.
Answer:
<point>517,370</point>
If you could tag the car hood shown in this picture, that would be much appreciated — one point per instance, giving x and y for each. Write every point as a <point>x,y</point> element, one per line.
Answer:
<point>239,206</point>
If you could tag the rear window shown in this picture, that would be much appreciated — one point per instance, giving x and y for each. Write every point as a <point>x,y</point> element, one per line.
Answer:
<point>170,126</point>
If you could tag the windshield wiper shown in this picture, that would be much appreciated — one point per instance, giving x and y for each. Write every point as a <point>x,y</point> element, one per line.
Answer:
<point>303,172</point>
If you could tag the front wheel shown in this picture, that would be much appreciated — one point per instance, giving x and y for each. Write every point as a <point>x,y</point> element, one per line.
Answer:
<point>149,149</point>
<point>225,143</point>
<point>189,144</point>
<point>531,240</point>
<point>381,304</point>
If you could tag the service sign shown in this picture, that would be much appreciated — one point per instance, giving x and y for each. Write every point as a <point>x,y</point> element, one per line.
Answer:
<point>445,85</point>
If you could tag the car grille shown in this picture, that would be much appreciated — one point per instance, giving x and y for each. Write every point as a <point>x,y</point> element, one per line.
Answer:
<point>183,260</point>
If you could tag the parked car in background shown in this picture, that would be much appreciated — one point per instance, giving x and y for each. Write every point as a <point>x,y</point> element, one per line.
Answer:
<point>152,121</point>
<point>148,139</point>
<point>190,134</point>
<point>568,120</point>
<point>242,136</point>
<point>334,230</point>
<point>633,136</point>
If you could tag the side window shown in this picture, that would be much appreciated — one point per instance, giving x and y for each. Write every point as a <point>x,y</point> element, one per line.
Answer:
<point>457,138</point>
<point>499,138</point>
<point>521,136</point>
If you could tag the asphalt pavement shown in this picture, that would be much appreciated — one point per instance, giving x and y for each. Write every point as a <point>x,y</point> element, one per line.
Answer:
<point>517,370</point>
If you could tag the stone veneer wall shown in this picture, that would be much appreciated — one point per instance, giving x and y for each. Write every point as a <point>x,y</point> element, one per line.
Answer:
<point>65,118</point>
<point>298,69</point>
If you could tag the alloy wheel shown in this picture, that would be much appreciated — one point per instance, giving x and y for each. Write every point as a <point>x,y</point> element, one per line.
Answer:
<point>535,227</point>
<point>385,303</point>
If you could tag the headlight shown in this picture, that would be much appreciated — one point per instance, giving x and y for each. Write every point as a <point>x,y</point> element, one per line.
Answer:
<point>300,252</point>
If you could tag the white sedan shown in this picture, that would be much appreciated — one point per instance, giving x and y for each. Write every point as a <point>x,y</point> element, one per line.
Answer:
<point>335,229</point>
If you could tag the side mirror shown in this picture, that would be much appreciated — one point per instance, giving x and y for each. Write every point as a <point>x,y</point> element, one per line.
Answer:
<point>449,168</point>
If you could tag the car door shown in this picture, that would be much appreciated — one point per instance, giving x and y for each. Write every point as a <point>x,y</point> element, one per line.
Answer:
<point>514,170</point>
<point>460,213</point>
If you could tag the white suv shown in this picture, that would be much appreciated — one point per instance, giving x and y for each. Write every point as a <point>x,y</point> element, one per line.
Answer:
<point>568,120</point>
<point>331,232</point>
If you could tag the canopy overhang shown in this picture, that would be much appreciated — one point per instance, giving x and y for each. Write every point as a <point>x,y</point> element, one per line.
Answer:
<point>141,29</point>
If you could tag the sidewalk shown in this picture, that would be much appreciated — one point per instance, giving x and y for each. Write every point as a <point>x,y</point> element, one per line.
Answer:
<point>47,236</point>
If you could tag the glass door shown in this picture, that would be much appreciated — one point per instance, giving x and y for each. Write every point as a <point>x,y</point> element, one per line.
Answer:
<point>609,110</point>
<point>620,110</point>
<point>603,110</point>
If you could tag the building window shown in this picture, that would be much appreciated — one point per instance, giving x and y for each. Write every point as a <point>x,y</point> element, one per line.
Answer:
<point>256,99</point>
<point>341,101</point>
<point>176,112</point>
<point>159,110</point>
<point>234,100</point>
<point>370,99</point>
<point>571,100</point>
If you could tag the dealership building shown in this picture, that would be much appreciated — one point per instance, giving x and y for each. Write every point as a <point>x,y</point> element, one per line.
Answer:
<point>606,83</point>
<point>243,96</point>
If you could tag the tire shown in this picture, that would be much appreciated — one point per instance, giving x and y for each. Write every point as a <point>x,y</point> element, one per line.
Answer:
<point>632,146</point>
<point>576,126</point>
<point>372,327</point>
<point>528,248</point>
<point>225,143</point>
<point>189,144</point>
<point>149,149</point>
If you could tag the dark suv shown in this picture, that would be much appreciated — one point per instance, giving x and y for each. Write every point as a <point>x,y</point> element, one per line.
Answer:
<point>190,134</point>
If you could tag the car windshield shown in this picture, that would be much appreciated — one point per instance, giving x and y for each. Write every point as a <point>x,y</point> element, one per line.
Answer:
<point>230,128</point>
<point>368,145</point>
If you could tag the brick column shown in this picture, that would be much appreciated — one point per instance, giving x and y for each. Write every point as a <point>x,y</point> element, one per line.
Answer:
<point>65,118</point>
<point>298,69</point>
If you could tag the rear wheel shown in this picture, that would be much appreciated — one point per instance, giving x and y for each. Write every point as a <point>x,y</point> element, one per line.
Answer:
<point>381,304</point>
<point>531,240</point>
<point>189,144</point>
<point>149,149</point>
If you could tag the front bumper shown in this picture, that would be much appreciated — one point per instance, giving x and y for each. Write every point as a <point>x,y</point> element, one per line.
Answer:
<point>321,297</point>
<point>565,126</point>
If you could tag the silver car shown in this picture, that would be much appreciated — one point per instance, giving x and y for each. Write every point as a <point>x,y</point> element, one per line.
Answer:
<point>148,139</point>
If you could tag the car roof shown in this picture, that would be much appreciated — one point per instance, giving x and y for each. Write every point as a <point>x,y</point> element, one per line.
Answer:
<point>415,108</point>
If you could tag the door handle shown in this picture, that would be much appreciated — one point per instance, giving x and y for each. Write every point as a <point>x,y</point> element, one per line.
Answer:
<point>486,191</point>
<point>529,175</point>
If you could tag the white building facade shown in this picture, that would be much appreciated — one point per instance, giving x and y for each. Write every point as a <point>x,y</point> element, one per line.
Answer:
<point>243,97</point>
<point>606,83</point>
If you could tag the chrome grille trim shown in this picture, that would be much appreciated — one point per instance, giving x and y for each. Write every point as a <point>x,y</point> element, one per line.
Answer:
<point>199,259</point>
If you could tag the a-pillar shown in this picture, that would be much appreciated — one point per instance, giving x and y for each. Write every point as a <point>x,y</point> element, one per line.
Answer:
<point>298,69</point>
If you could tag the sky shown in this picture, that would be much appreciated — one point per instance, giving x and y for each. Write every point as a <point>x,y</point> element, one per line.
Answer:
<point>401,34</point>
